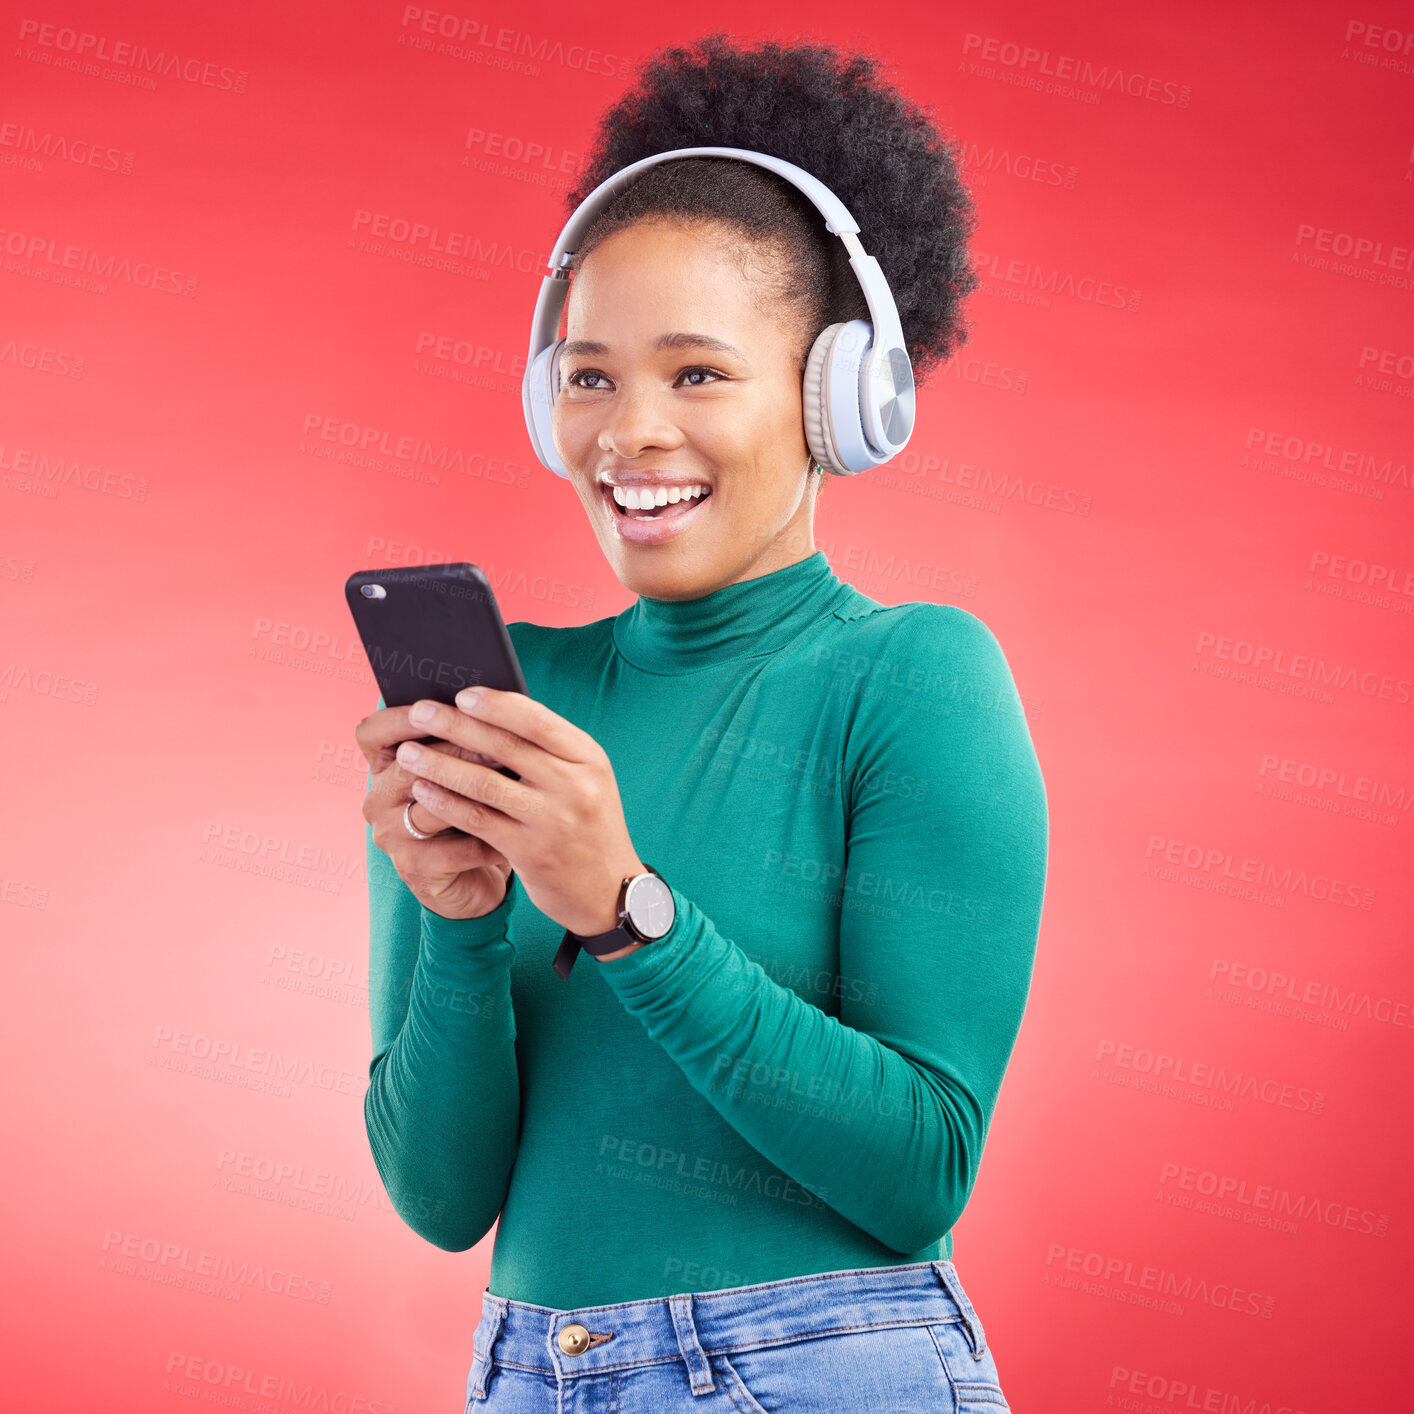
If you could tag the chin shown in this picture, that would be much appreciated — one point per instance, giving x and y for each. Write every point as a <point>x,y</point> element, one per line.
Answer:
<point>661,572</point>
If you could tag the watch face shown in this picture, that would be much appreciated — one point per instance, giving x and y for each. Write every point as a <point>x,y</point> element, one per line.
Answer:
<point>650,906</point>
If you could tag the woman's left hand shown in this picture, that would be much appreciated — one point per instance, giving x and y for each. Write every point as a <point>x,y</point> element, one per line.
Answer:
<point>561,825</point>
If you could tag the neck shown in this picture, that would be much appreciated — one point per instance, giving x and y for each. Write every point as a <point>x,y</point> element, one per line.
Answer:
<point>746,619</point>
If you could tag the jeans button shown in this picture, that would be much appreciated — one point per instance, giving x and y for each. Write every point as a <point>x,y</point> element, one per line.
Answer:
<point>574,1339</point>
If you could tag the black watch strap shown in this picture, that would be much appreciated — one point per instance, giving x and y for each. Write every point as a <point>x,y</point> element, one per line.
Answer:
<point>597,943</point>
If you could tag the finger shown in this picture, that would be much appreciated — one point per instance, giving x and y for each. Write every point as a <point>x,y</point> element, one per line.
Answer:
<point>389,787</point>
<point>379,733</point>
<point>475,817</point>
<point>390,834</point>
<point>394,781</point>
<point>453,748</point>
<point>473,783</point>
<point>475,737</point>
<point>424,819</point>
<point>519,799</point>
<point>452,853</point>
<point>385,809</point>
<point>522,718</point>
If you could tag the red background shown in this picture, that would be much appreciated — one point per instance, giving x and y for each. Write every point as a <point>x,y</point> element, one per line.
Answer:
<point>183,861</point>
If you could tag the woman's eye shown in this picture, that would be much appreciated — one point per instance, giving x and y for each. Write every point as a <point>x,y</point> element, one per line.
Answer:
<point>580,374</point>
<point>710,372</point>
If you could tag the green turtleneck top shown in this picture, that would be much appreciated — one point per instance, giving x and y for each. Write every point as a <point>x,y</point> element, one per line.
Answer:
<point>800,1076</point>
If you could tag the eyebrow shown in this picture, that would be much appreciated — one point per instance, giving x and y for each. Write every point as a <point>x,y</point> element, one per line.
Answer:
<point>663,341</point>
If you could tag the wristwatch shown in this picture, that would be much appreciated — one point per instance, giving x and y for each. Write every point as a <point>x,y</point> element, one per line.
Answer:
<point>646,912</point>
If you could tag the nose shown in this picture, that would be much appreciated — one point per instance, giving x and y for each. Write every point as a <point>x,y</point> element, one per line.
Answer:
<point>635,421</point>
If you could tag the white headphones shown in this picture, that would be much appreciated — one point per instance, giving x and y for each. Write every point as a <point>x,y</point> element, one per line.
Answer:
<point>857,392</point>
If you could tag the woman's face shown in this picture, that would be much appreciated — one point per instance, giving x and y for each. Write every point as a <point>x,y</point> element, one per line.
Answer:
<point>672,376</point>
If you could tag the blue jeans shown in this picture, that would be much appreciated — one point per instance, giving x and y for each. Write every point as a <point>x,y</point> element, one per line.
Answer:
<point>872,1340</point>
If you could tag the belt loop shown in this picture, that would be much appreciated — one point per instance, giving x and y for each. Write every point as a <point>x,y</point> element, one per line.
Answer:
<point>976,1337</point>
<point>699,1369</point>
<point>493,1315</point>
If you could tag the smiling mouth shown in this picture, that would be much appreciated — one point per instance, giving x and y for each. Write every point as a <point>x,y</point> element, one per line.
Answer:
<point>664,512</point>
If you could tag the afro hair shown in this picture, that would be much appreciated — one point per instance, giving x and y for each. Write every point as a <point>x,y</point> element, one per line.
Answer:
<point>830,113</point>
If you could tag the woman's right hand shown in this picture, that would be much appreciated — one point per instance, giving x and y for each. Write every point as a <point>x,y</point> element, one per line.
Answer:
<point>454,874</point>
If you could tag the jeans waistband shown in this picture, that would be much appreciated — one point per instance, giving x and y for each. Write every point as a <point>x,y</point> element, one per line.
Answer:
<point>693,1325</point>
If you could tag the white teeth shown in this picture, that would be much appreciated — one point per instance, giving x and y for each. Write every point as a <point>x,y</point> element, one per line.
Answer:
<point>635,500</point>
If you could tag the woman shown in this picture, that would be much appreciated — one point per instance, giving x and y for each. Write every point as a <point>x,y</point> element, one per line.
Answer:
<point>726,1161</point>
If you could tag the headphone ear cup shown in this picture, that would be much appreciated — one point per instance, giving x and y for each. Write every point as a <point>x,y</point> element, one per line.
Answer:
<point>812,401</point>
<point>834,425</point>
<point>554,379</point>
<point>540,388</point>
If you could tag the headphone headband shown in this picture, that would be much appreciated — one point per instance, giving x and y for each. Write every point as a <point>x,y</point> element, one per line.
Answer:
<point>554,288</point>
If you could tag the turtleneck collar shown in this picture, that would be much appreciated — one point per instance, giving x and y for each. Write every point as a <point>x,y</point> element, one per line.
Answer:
<point>744,620</point>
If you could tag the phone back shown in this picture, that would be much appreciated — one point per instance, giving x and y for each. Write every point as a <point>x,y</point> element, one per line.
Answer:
<point>431,630</point>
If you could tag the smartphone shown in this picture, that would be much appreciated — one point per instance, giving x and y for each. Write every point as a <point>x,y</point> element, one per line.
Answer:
<point>431,630</point>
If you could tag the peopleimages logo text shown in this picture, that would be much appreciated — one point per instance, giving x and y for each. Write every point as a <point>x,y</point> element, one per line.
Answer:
<point>125,54</point>
<point>1107,78</point>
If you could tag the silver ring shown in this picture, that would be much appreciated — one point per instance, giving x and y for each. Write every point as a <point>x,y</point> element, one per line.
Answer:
<point>411,828</point>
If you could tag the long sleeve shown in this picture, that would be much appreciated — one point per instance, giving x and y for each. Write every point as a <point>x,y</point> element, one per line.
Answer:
<point>442,1109</point>
<point>882,1112</point>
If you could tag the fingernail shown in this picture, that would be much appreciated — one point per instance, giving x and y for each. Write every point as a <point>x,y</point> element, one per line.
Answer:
<point>409,752</point>
<point>467,698</point>
<point>422,713</point>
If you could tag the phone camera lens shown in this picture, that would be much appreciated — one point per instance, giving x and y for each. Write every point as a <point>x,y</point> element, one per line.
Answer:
<point>373,591</point>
